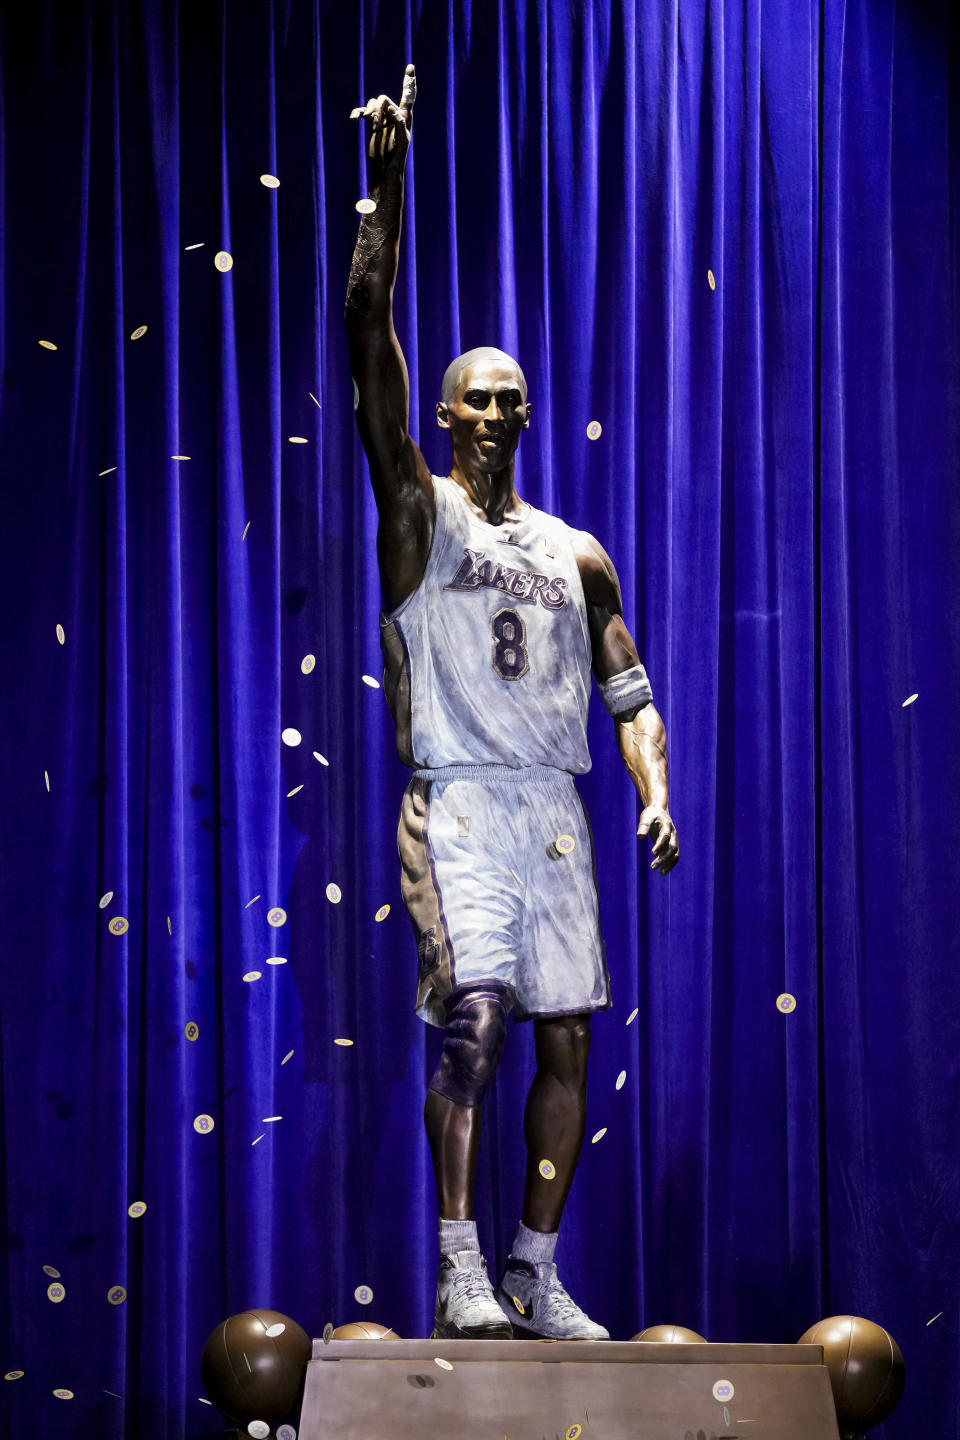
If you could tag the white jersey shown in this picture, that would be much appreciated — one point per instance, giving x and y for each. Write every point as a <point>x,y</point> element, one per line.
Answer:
<point>489,660</point>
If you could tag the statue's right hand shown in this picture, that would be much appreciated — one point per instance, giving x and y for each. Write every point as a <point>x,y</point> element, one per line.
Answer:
<point>390,126</point>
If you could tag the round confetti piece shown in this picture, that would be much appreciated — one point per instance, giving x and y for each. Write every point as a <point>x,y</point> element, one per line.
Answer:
<point>334,893</point>
<point>321,759</point>
<point>259,1429</point>
<point>119,925</point>
<point>620,1079</point>
<point>295,791</point>
<point>47,344</point>
<point>599,1135</point>
<point>594,430</point>
<point>909,701</point>
<point>547,1169</point>
<point>191,1030</point>
<point>290,736</point>
<point>270,181</point>
<point>60,635</point>
<point>298,440</point>
<point>117,1295</point>
<point>287,1057</point>
<point>307,663</point>
<point>14,1375</point>
<point>723,1390</point>
<point>574,1432</point>
<point>382,913</point>
<point>223,260</point>
<point>138,334</point>
<point>369,680</point>
<point>363,1294</point>
<point>46,779</point>
<point>138,1208</point>
<point>363,207</point>
<point>276,960</point>
<point>286,1432</point>
<point>105,899</point>
<point>518,1303</point>
<point>63,1394</point>
<point>245,529</point>
<point>632,1016</point>
<point>343,1042</point>
<point>277,916</point>
<point>203,1124</point>
<point>56,1292</point>
<point>252,975</point>
<point>444,1364</point>
<point>565,844</point>
<point>49,1270</point>
<point>327,1332</point>
<point>278,1329</point>
<point>786,1003</point>
<point>711,281</point>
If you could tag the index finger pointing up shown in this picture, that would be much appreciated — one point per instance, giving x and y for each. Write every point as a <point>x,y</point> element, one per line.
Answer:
<point>409,93</point>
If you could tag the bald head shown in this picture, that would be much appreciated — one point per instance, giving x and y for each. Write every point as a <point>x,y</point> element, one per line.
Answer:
<point>454,371</point>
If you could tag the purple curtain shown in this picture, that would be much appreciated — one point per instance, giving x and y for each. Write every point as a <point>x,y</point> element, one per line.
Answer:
<point>726,231</point>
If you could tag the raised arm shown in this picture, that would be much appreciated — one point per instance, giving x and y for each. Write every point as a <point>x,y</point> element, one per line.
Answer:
<point>641,736</point>
<point>401,480</point>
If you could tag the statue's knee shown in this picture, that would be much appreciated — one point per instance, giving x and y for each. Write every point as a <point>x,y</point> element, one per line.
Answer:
<point>472,1045</point>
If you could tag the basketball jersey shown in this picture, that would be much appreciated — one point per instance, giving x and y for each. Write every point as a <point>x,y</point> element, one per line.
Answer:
<point>489,660</point>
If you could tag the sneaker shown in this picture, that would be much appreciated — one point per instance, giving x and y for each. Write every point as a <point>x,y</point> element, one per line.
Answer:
<point>548,1312</point>
<point>466,1307</point>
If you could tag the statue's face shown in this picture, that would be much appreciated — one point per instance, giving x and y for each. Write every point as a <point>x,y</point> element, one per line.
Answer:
<point>486,415</point>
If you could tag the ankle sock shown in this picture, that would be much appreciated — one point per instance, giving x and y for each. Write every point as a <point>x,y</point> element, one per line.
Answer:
<point>533,1246</point>
<point>458,1235</point>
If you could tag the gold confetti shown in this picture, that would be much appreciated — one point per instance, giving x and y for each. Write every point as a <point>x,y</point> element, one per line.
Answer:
<point>51,1270</point>
<point>270,181</point>
<point>632,1016</point>
<point>138,334</point>
<point>519,1304</point>
<point>63,1394</point>
<point>169,926</point>
<point>137,1209</point>
<point>574,1432</point>
<point>60,635</point>
<point>119,925</point>
<point>252,902</point>
<point>254,1142</point>
<point>369,680</point>
<point>179,457</point>
<point>114,1394</point>
<point>334,893</point>
<point>117,1295</point>
<point>909,701</point>
<point>620,1079</point>
<point>547,1169</point>
<point>203,1124</point>
<point>198,246</point>
<point>710,280</point>
<point>599,1135</point>
<point>365,207</point>
<point>203,1400</point>
<point>14,1374</point>
<point>444,1364</point>
<point>934,1317</point>
<point>594,430</point>
<point>321,758</point>
<point>223,260</point>
<point>298,439</point>
<point>56,1292</point>
<point>314,399</point>
<point>786,1003</point>
<point>106,472</point>
<point>327,1332</point>
<point>295,791</point>
<point>46,780</point>
<point>565,844</point>
<point>252,975</point>
<point>191,1030</point>
<point>277,916</point>
<point>307,663</point>
<point>277,960</point>
<point>245,529</point>
<point>517,877</point>
<point>363,1294</point>
<point>47,344</point>
<point>382,913</point>
<point>290,736</point>
<point>343,1042</point>
<point>287,1057</point>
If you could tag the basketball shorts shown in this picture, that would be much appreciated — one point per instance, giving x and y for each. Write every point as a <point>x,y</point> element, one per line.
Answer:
<point>498,894</point>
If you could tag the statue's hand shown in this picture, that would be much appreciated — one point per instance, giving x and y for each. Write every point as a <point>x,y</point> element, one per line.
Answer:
<point>656,822</point>
<point>390,129</point>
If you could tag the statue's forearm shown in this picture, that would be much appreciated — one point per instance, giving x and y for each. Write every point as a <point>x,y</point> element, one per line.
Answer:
<point>373,270</point>
<point>643,745</point>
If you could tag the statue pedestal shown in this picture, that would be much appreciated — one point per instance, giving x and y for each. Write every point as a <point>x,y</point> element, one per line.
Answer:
<point>539,1390</point>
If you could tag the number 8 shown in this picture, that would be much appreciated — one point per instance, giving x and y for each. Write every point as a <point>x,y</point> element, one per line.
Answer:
<point>510,659</point>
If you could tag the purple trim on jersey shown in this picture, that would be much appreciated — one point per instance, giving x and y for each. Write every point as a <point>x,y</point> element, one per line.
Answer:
<point>436,883</point>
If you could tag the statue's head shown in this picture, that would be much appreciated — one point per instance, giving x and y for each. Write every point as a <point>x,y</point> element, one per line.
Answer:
<point>484,406</point>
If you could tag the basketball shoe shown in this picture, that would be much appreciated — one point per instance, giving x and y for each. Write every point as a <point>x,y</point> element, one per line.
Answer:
<point>466,1307</point>
<point>548,1312</point>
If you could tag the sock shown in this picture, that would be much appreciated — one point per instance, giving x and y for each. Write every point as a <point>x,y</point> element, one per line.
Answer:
<point>458,1235</point>
<point>533,1246</point>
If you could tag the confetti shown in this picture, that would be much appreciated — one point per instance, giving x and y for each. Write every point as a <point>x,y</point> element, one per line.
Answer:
<point>277,960</point>
<point>50,1270</point>
<point>117,1295</point>
<point>518,1303</point>
<point>277,916</point>
<point>223,260</point>
<point>723,1390</point>
<point>119,925</point>
<point>632,1016</point>
<point>710,280</point>
<point>179,457</point>
<point>314,399</point>
<point>565,844</point>
<point>444,1364</point>
<point>286,1432</point>
<point>364,207</point>
<point>245,529</point>
<point>934,1317</point>
<point>298,440</point>
<point>203,1124</point>
<point>63,1394</point>
<point>343,1042</point>
<point>138,334</point>
<point>255,1142</point>
<point>909,701</point>
<point>106,472</point>
<point>252,902</point>
<point>56,1292</point>
<point>327,1332</point>
<point>114,1394</point>
<point>322,759</point>
<point>334,893</point>
<point>290,736</point>
<point>191,1030</point>
<point>203,1400</point>
<point>259,1429</point>
<point>594,430</point>
<point>14,1375</point>
<point>295,791</point>
<point>599,1135</point>
<point>786,1003</point>
<point>47,344</point>
<point>198,246</point>
<point>621,1079</point>
<point>252,975</point>
<point>382,913</point>
<point>271,183</point>
<point>287,1057</point>
<point>60,635</point>
<point>269,1120</point>
<point>307,663</point>
<point>574,1432</point>
<point>137,1209</point>
<point>356,396</point>
<point>517,877</point>
<point>169,926</point>
<point>363,1294</point>
<point>547,1169</point>
<point>369,680</point>
<point>46,780</point>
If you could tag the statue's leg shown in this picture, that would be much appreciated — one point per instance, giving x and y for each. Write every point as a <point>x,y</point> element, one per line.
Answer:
<point>555,1116</point>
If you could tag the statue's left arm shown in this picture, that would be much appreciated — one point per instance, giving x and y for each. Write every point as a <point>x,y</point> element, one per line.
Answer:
<point>641,736</point>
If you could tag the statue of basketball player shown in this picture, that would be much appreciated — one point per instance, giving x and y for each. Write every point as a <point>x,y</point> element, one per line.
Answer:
<point>494,615</point>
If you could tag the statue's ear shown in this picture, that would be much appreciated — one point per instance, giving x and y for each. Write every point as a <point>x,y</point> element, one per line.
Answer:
<point>443,415</point>
<point>526,423</point>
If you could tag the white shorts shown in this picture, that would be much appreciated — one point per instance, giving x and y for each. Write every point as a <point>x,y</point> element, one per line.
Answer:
<point>491,895</point>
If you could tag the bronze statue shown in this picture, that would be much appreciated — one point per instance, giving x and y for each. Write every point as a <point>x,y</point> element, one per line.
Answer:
<point>494,616</point>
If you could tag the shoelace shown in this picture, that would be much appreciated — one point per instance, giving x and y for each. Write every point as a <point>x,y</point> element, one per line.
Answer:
<point>560,1305</point>
<point>473,1284</point>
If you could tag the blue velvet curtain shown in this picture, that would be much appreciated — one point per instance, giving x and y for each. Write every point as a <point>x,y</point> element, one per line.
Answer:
<point>725,229</point>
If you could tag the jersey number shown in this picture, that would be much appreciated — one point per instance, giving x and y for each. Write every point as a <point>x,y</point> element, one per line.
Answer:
<point>510,659</point>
